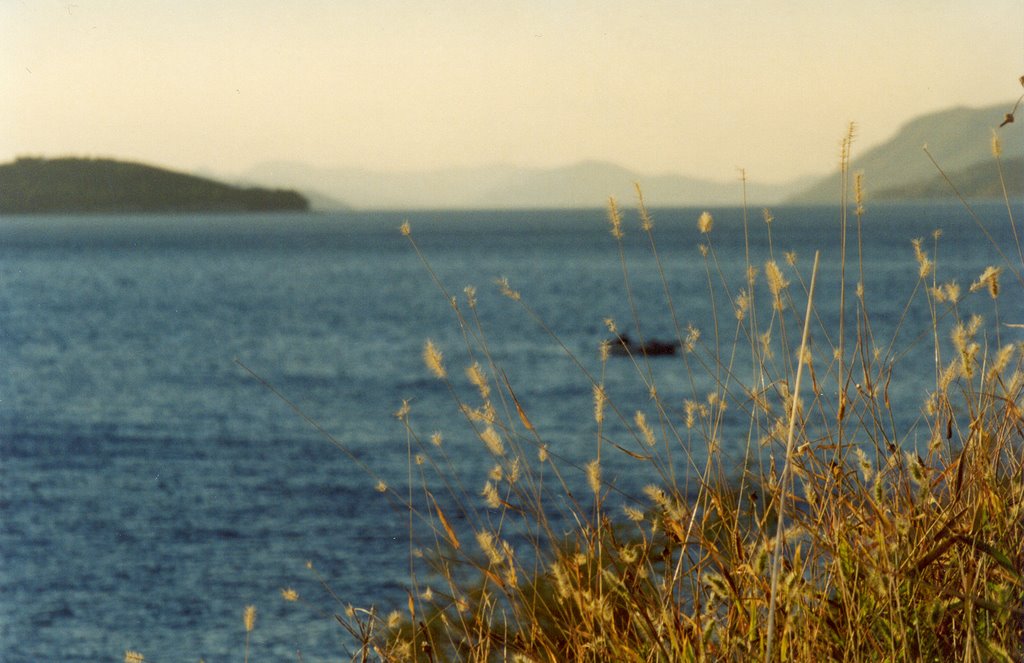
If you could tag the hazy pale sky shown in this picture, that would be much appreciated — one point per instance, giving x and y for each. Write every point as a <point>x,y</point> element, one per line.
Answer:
<point>698,87</point>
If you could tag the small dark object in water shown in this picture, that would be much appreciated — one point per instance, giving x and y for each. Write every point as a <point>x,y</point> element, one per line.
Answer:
<point>623,346</point>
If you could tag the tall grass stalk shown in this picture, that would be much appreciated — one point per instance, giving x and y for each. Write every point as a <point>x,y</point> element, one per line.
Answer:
<point>788,464</point>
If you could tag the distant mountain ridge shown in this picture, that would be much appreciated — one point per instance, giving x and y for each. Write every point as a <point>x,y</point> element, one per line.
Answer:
<point>960,139</point>
<point>584,184</point>
<point>982,180</point>
<point>71,185</point>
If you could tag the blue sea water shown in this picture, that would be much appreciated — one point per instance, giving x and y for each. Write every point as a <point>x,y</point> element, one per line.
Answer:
<point>150,487</point>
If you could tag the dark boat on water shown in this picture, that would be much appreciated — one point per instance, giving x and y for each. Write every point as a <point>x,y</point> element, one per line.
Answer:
<point>623,346</point>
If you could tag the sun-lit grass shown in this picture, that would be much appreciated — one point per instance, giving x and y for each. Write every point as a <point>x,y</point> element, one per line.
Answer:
<point>845,541</point>
<point>845,538</point>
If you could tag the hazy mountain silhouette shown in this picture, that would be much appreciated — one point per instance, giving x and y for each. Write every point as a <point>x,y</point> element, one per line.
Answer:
<point>982,180</point>
<point>959,139</point>
<point>585,184</point>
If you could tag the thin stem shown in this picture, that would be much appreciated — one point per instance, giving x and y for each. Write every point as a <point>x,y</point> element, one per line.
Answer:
<point>970,210</point>
<point>786,468</point>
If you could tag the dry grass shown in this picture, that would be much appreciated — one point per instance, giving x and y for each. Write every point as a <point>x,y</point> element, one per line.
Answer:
<point>841,541</point>
<point>846,542</point>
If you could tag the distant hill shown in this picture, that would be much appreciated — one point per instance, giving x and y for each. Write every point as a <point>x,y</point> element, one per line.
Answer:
<point>958,138</point>
<point>978,181</point>
<point>33,185</point>
<point>585,184</point>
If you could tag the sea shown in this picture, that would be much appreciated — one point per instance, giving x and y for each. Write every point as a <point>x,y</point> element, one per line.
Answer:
<point>196,410</point>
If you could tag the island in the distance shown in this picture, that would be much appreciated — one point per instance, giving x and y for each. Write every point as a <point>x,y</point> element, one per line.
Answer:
<point>31,185</point>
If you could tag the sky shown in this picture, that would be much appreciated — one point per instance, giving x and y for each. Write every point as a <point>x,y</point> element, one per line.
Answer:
<point>696,87</point>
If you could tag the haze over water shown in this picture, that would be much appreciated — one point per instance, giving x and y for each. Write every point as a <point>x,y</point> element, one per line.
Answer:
<point>696,88</point>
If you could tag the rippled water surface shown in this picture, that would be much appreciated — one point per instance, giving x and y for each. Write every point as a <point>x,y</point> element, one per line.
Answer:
<point>150,487</point>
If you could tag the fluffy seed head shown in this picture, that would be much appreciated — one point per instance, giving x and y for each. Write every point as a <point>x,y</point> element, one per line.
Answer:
<point>479,380</point>
<point>776,282</point>
<point>924,263</point>
<point>486,542</point>
<point>249,617</point>
<point>951,291</point>
<point>507,290</point>
<point>858,191</point>
<point>656,495</point>
<point>629,554</point>
<point>989,279</point>
<point>645,429</point>
<point>485,413</point>
<point>716,585</point>
<point>289,594</point>
<point>918,471</point>
<point>706,222</point>
<point>646,222</point>
<point>974,324</point>
<point>692,336</point>
<point>866,469</point>
<point>133,657</point>
<point>434,360</point>
<point>691,408</point>
<point>600,399</point>
<point>997,145</point>
<point>741,305</point>
<point>510,576</point>
<point>847,143</point>
<point>765,341</point>
<point>594,475</point>
<point>1001,361</point>
<point>614,218</point>
<point>963,341</point>
<point>493,441</point>
<point>633,514</point>
<point>767,214</point>
<point>406,229</point>
<point>513,470</point>
<point>490,495</point>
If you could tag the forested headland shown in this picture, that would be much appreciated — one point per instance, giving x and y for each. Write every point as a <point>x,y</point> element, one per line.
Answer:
<point>79,185</point>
